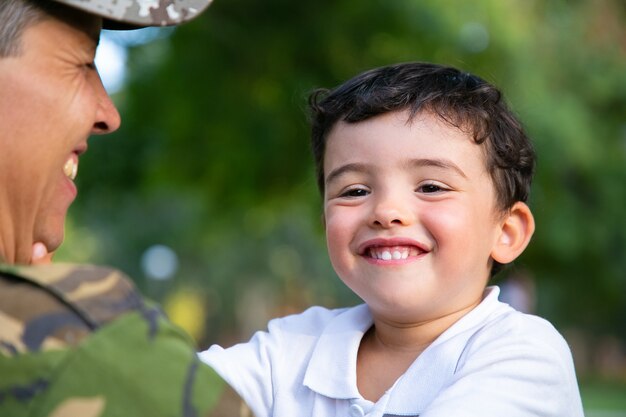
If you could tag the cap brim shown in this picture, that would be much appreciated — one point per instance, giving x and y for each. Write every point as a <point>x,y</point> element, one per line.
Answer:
<point>115,25</point>
<point>135,14</point>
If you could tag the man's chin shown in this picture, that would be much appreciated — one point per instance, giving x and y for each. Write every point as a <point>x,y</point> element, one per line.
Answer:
<point>51,240</point>
<point>53,245</point>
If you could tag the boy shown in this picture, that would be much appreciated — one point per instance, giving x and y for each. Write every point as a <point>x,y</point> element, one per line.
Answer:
<point>424,173</point>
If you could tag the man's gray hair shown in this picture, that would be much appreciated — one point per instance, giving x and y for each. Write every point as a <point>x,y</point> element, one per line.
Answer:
<point>16,16</point>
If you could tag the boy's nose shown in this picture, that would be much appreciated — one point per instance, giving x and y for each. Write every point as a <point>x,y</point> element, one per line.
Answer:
<point>391,210</point>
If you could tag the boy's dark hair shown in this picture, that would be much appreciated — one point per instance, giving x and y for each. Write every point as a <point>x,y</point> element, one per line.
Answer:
<point>461,99</point>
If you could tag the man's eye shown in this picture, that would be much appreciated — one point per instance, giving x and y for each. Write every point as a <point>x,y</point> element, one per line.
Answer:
<point>355,192</point>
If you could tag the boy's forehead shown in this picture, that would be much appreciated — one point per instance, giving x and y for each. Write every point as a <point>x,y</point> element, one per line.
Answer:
<point>420,128</point>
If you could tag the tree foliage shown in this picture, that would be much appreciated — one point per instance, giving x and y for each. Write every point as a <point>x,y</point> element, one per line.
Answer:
<point>213,159</point>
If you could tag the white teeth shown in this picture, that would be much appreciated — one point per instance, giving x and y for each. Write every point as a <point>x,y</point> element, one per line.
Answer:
<point>389,254</point>
<point>70,169</point>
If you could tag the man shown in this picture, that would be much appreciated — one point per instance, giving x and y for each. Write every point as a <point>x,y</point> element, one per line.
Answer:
<point>75,340</point>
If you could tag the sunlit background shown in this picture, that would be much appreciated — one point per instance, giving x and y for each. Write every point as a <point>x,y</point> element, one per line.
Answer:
<point>206,195</point>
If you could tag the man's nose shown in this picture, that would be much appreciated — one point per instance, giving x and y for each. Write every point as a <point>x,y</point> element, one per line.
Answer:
<point>107,117</point>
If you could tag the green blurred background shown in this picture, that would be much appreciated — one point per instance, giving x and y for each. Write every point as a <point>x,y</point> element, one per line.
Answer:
<point>206,195</point>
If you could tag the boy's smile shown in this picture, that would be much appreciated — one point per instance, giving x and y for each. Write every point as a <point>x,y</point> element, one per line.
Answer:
<point>389,250</point>
<point>410,215</point>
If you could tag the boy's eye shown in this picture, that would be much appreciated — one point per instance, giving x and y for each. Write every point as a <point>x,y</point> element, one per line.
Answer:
<point>355,192</point>
<point>430,188</point>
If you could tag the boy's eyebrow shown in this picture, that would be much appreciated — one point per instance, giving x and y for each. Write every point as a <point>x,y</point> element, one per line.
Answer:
<point>422,162</point>
<point>339,171</point>
<point>438,163</point>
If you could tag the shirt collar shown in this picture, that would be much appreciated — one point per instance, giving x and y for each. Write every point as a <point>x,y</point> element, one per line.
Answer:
<point>332,369</point>
<point>435,367</point>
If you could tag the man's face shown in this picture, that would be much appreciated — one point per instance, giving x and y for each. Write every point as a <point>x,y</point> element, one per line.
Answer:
<point>51,100</point>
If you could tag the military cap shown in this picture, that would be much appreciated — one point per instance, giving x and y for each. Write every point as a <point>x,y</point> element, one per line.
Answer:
<point>133,14</point>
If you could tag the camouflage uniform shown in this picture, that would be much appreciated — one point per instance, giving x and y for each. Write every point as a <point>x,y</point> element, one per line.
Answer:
<point>79,340</point>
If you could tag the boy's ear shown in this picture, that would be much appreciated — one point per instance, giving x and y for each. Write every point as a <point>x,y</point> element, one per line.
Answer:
<point>516,229</point>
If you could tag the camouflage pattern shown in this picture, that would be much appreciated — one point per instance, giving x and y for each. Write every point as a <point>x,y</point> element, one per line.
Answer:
<point>141,13</point>
<point>79,340</point>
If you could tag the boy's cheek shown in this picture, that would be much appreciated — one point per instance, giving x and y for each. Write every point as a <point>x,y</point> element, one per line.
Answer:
<point>442,222</point>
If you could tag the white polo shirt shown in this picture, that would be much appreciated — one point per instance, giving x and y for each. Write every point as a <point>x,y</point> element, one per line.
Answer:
<point>493,362</point>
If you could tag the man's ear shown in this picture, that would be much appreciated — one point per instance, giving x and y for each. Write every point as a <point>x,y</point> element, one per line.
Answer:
<point>516,229</point>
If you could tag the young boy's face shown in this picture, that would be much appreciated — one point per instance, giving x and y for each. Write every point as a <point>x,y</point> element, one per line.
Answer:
<point>411,219</point>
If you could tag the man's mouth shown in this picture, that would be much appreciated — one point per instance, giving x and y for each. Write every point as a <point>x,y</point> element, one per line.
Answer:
<point>70,169</point>
<point>393,252</point>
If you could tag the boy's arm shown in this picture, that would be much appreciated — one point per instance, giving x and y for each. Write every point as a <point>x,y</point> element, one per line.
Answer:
<point>247,368</point>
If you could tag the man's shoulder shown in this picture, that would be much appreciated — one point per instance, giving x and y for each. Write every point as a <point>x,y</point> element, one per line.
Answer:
<point>71,281</point>
<point>52,306</point>
<point>60,324</point>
